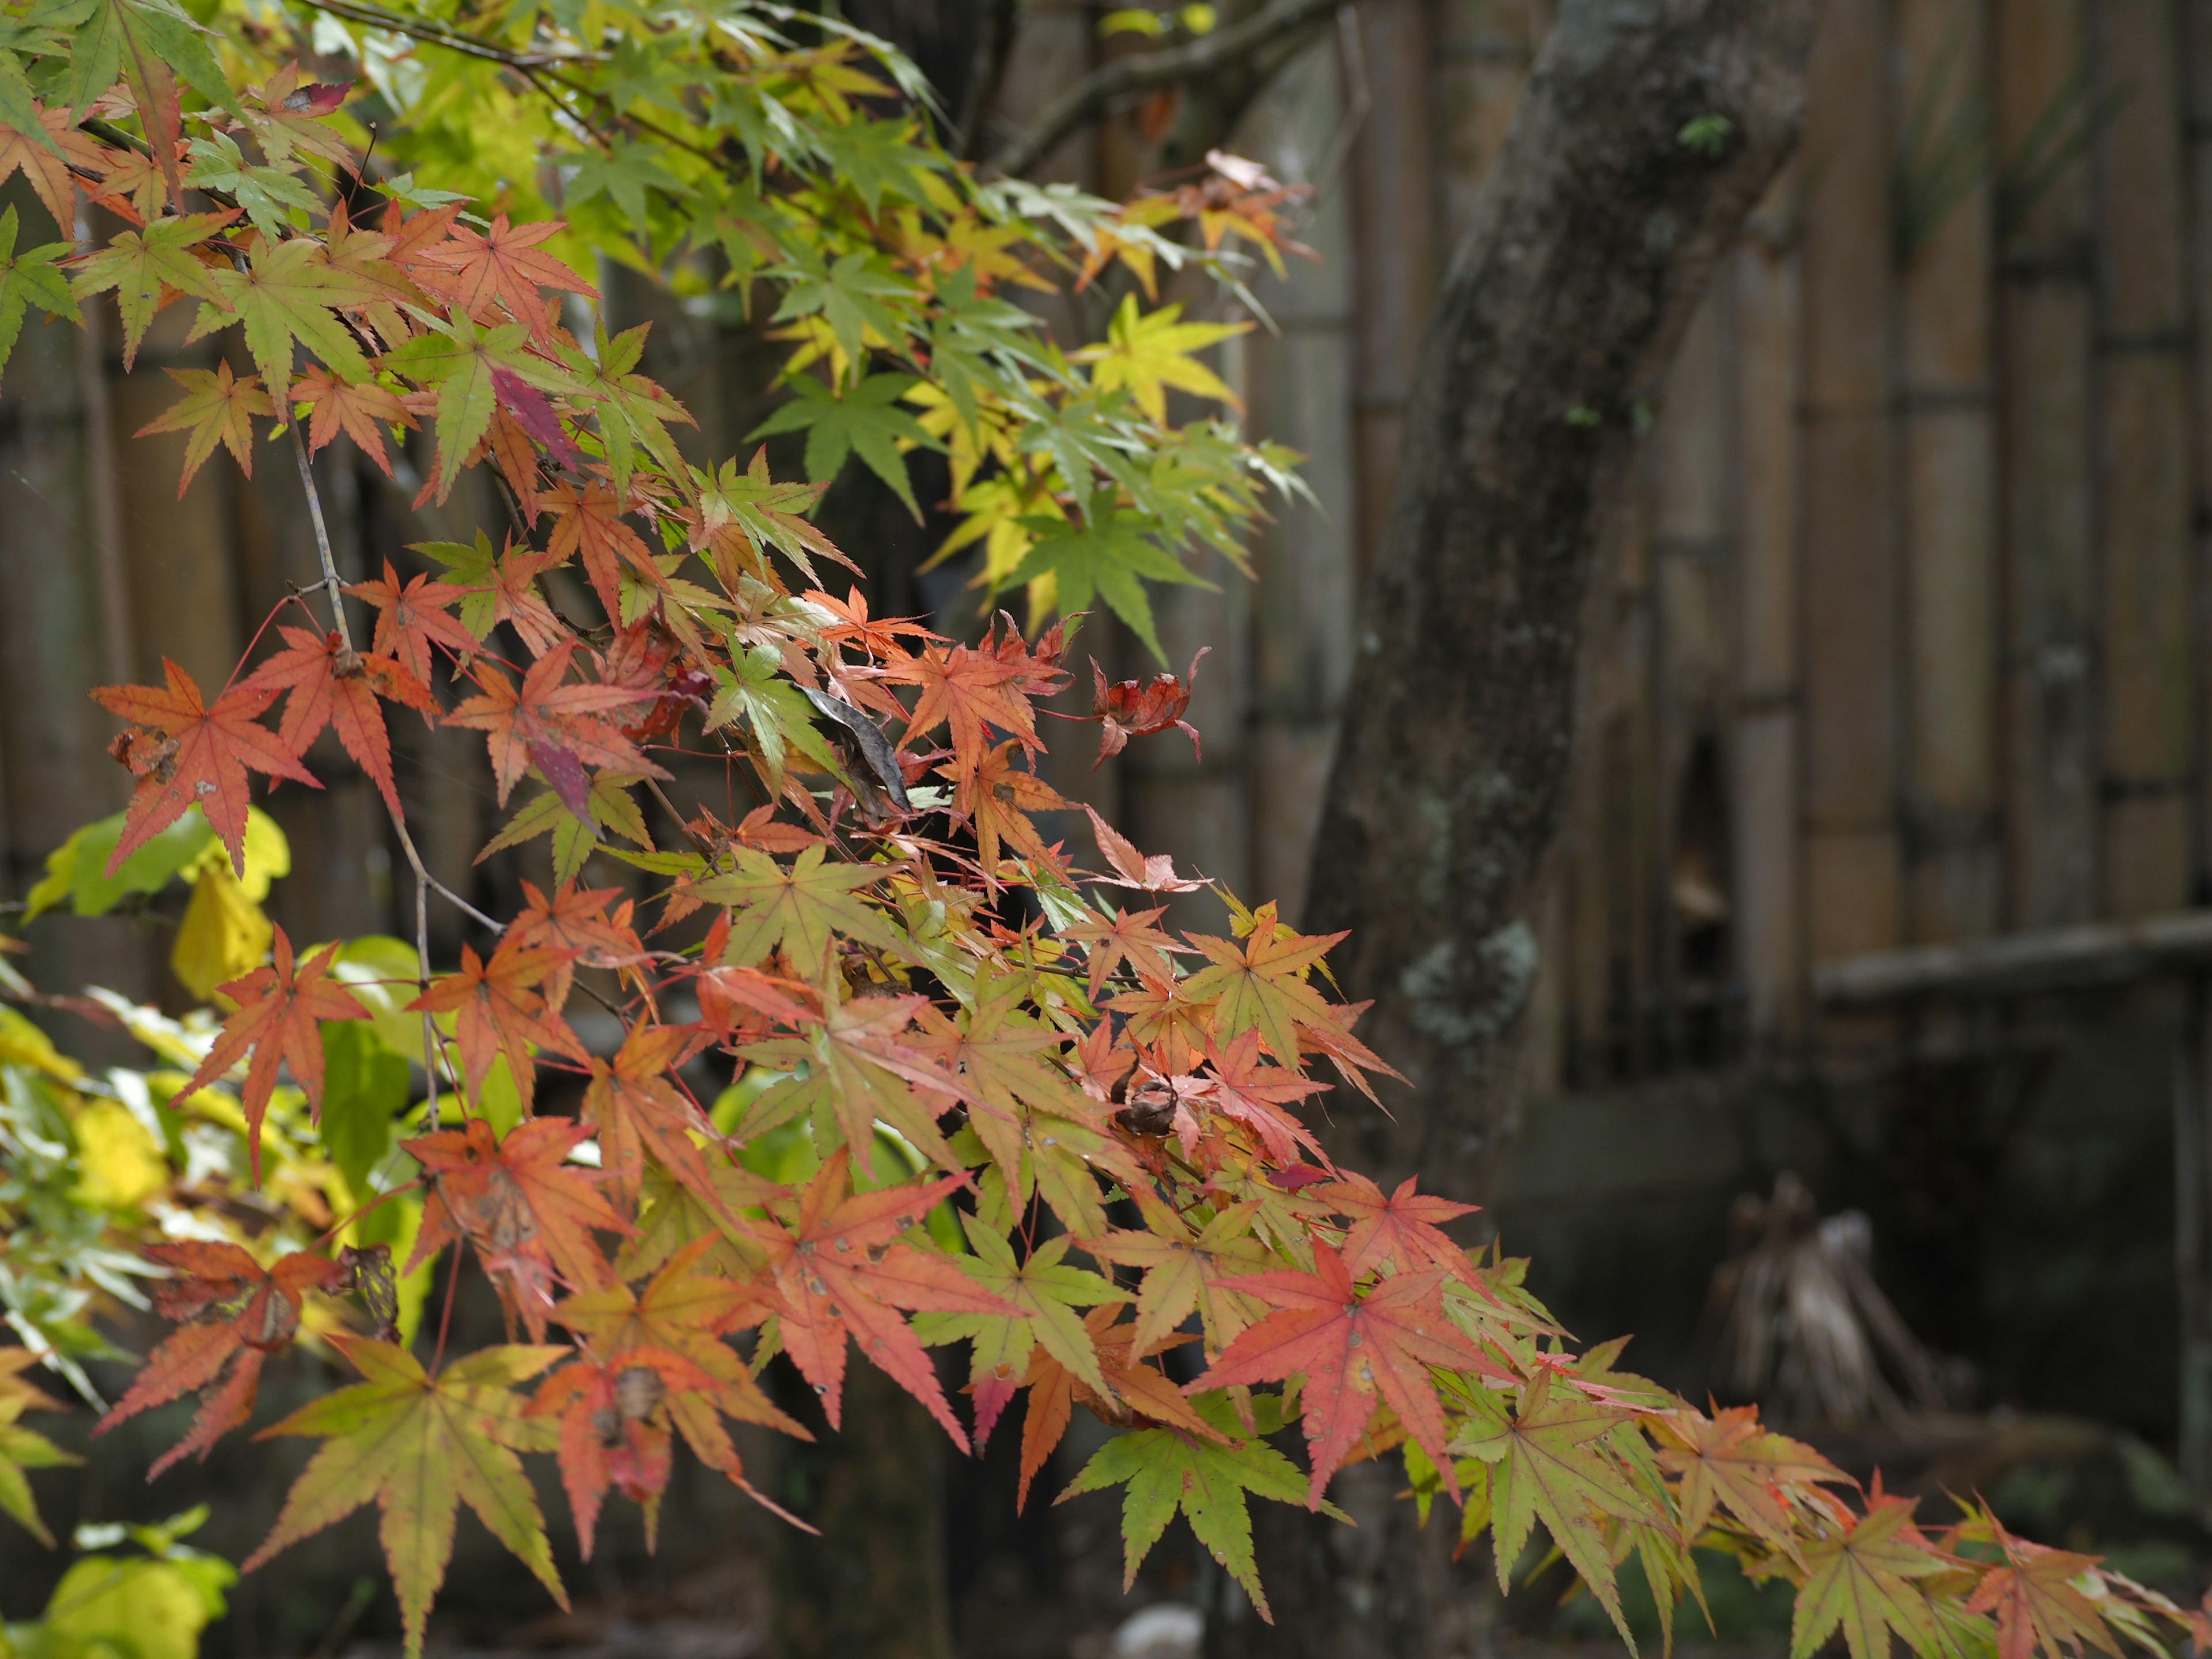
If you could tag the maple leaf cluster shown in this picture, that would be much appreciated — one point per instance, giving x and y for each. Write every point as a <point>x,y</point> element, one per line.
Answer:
<point>986,1065</point>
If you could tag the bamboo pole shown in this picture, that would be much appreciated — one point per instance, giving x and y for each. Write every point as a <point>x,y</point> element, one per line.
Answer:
<point>1395,215</point>
<point>1767,889</point>
<point>1850,646</point>
<point>1298,387</point>
<point>1946,451</point>
<point>2046,322</point>
<point>2143,528</point>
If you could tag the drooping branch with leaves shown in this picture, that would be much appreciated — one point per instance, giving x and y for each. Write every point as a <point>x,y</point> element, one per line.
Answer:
<point>964,1066</point>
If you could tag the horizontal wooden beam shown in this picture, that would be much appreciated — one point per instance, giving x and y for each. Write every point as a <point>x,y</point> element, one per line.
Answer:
<point>2017,964</point>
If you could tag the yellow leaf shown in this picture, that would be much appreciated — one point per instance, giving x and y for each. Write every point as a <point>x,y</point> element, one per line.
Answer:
<point>1150,352</point>
<point>22,1043</point>
<point>223,935</point>
<point>120,1163</point>
<point>268,855</point>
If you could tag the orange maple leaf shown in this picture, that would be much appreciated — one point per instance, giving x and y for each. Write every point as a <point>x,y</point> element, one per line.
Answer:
<point>556,727</point>
<point>497,1012</point>
<point>233,1314</point>
<point>281,1009</point>
<point>410,620</point>
<point>842,1270</point>
<point>328,683</point>
<point>504,263</point>
<point>528,1212</point>
<point>185,753</point>
<point>1355,1352</point>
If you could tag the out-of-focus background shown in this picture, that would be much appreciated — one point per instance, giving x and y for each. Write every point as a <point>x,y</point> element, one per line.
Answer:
<point>1871,1039</point>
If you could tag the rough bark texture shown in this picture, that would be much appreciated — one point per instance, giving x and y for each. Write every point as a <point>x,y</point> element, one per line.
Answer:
<point>1590,249</point>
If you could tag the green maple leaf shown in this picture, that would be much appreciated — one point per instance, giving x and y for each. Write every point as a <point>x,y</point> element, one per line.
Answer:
<point>137,264</point>
<point>285,294</point>
<point>459,358</point>
<point>1106,559</point>
<point>865,418</point>
<point>1046,1289</point>
<point>877,158</point>
<point>753,687</point>
<point>1550,1462</point>
<point>634,412</point>
<point>1259,984</point>
<point>214,408</point>
<point>1862,1579</point>
<point>22,1448</point>
<point>853,1071</point>
<point>800,909</point>
<point>1167,1470</point>
<point>623,173</point>
<point>1149,352</point>
<point>26,279</point>
<point>421,1446</point>
<point>275,198</point>
<point>765,513</point>
<point>133,40</point>
<point>849,295</point>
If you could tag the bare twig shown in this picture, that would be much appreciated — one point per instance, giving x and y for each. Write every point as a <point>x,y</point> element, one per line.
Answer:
<point>1090,97</point>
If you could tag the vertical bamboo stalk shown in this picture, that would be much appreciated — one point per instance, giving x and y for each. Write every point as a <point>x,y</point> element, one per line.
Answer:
<point>1482,51</point>
<point>1850,644</point>
<point>2192,1119</point>
<point>1948,452</point>
<point>2047,326</point>
<point>1394,214</point>
<point>1769,927</point>
<point>2143,528</point>
<point>1298,391</point>
<point>1686,478</point>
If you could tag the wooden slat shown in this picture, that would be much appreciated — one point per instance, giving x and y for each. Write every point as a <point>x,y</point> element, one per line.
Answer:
<point>2024,964</point>
<point>1298,389</point>
<point>1947,448</point>
<point>1769,931</point>
<point>1395,211</point>
<point>1851,662</point>
<point>2149,692</point>
<point>2046,327</point>
<point>1687,480</point>
<point>1483,49</point>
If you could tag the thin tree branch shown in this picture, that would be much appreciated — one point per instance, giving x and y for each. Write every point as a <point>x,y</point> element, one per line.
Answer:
<point>1089,97</point>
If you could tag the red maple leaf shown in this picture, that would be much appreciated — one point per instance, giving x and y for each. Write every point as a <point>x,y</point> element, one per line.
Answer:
<point>967,690</point>
<point>1108,942</point>
<point>410,620</point>
<point>1141,1393</point>
<point>1134,709</point>
<point>1155,874</point>
<point>559,728</point>
<point>1355,1352</point>
<point>1254,1093</point>
<point>640,1114</point>
<point>879,636</point>
<point>530,1213</point>
<point>234,1314</point>
<point>497,1012</point>
<point>504,263</point>
<point>575,922</point>
<point>615,1432</point>
<point>1400,1229</point>
<point>358,408</point>
<point>589,520</point>
<point>842,1270</point>
<point>184,753</point>
<point>281,1009</point>
<point>326,682</point>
